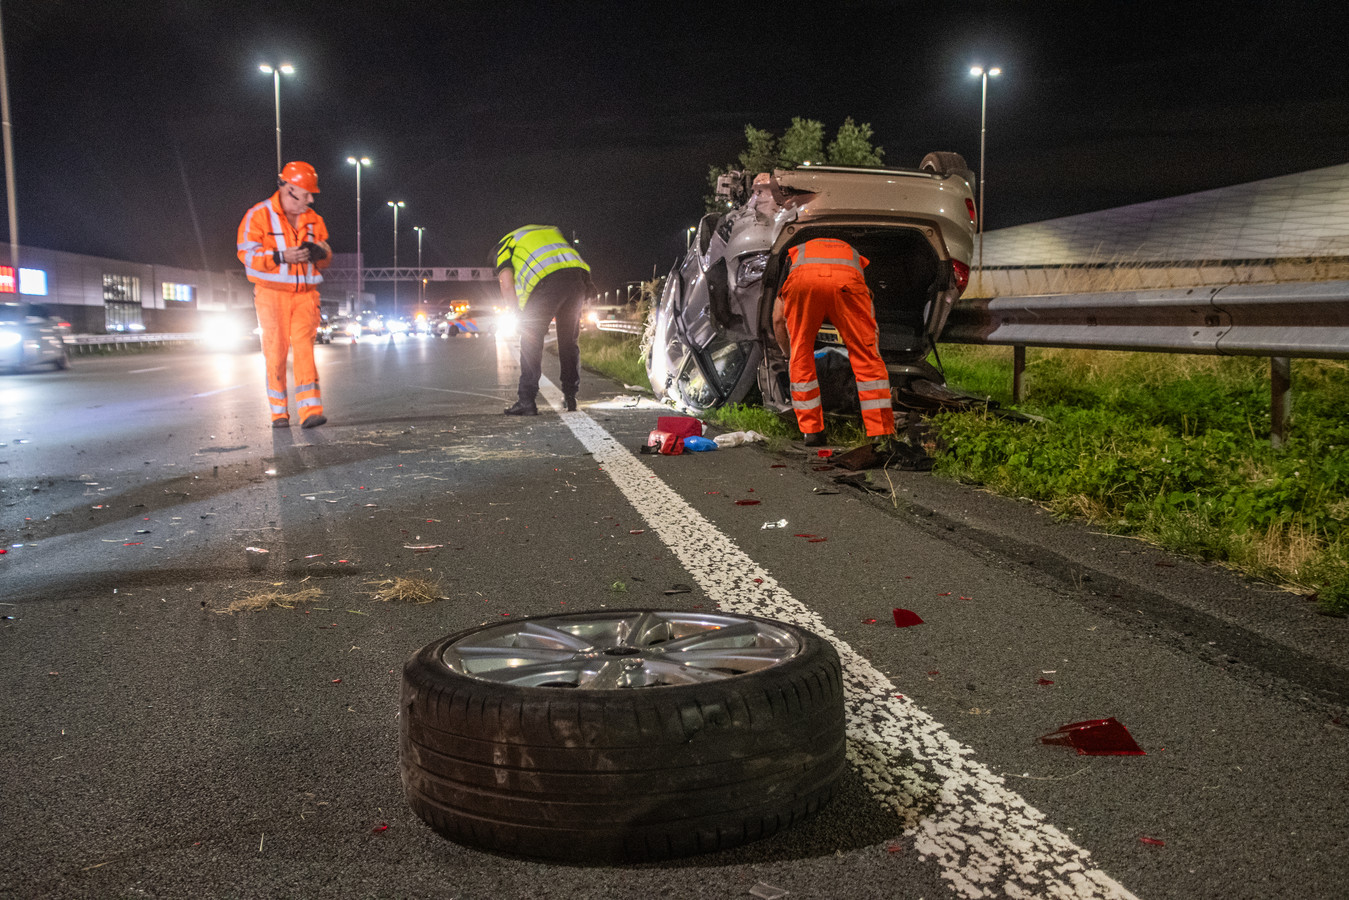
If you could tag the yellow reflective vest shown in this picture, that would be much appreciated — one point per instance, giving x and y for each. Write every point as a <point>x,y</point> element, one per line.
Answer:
<point>533,253</point>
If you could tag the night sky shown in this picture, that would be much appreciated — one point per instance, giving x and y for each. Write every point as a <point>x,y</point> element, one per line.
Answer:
<point>144,130</point>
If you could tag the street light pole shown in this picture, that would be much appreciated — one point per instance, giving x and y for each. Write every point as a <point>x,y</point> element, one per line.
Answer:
<point>275,72</point>
<point>421,282</point>
<point>360,261</point>
<point>397,205</point>
<point>983,74</point>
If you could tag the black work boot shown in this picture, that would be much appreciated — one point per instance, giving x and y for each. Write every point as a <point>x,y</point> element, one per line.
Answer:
<point>521,408</point>
<point>569,402</point>
<point>815,439</point>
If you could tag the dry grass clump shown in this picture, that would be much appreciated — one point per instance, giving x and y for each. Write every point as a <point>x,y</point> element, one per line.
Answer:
<point>267,599</point>
<point>406,590</point>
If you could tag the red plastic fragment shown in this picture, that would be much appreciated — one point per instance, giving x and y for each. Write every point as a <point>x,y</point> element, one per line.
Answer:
<point>712,492</point>
<point>824,454</point>
<point>337,681</point>
<point>805,535</point>
<point>868,621</point>
<point>3,551</point>
<point>894,847</point>
<point>817,540</point>
<point>749,490</point>
<point>1096,737</point>
<point>382,826</point>
<point>637,531</point>
<point>133,543</point>
<point>747,503</point>
<point>822,468</point>
<point>778,466</point>
<point>1153,841</point>
<point>905,618</point>
<point>934,671</point>
<point>966,598</point>
<point>1043,681</point>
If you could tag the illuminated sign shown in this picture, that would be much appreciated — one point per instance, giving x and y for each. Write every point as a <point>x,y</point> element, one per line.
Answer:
<point>7,283</point>
<point>33,282</point>
<point>179,293</point>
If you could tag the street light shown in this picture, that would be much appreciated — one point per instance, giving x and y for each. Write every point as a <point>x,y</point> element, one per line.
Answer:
<point>984,74</point>
<point>275,72</point>
<point>397,205</point>
<point>421,282</point>
<point>360,261</point>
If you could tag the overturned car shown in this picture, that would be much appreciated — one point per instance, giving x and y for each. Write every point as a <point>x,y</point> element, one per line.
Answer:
<point>710,339</point>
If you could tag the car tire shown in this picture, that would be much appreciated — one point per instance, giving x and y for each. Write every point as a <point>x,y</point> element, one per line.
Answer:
<point>944,162</point>
<point>622,773</point>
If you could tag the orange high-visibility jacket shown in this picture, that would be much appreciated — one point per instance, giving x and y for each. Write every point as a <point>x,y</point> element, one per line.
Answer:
<point>264,232</point>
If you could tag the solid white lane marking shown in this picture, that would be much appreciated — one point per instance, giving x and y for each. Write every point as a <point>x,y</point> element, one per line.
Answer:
<point>154,369</point>
<point>986,838</point>
<point>220,391</point>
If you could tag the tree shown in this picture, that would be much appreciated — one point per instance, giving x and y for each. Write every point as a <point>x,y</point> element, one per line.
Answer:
<point>761,155</point>
<point>852,146</point>
<point>802,142</point>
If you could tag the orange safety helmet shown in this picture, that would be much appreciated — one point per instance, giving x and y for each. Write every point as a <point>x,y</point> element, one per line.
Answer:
<point>302,175</point>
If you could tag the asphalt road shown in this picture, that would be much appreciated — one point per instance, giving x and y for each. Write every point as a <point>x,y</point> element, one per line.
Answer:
<point>154,744</point>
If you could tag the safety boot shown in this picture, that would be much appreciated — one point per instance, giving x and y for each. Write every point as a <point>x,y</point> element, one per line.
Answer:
<point>815,439</point>
<point>521,408</point>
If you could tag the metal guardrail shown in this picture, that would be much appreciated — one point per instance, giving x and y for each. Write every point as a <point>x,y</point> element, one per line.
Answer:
<point>96,340</point>
<point>1305,320</point>
<point>621,325</point>
<point>1279,321</point>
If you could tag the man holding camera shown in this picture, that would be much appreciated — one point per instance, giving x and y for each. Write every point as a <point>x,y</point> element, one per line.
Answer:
<point>283,244</point>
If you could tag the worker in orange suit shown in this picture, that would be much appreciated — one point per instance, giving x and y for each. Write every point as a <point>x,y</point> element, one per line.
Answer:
<point>283,244</point>
<point>825,281</point>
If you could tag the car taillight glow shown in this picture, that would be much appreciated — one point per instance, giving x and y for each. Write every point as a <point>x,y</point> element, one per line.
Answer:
<point>962,272</point>
<point>969,207</point>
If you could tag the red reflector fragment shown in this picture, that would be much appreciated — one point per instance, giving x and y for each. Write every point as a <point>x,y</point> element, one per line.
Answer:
<point>747,503</point>
<point>1153,841</point>
<point>905,618</point>
<point>1043,681</point>
<point>969,208</point>
<point>1096,737</point>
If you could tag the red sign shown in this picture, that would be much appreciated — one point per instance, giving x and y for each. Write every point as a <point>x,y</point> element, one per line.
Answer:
<point>8,285</point>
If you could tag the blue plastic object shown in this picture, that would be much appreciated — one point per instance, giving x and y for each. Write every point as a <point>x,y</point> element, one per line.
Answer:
<point>698,443</point>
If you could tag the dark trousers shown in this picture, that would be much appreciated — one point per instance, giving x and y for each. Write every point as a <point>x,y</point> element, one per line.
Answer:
<point>559,296</point>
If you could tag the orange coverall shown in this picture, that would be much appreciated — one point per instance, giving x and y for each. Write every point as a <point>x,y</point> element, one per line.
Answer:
<point>287,300</point>
<point>825,281</point>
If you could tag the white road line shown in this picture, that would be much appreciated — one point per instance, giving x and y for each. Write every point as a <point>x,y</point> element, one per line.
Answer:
<point>221,391</point>
<point>140,371</point>
<point>986,838</point>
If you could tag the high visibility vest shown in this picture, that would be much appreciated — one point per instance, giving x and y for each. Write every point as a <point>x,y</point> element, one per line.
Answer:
<point>533,253</point>
<point>827,252</point>
<point>265,230</point>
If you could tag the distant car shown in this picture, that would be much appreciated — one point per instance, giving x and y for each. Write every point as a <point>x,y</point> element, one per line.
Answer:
<point>324,333</point>
<point>344,328</point>
<point>591,316</point>
<point>31,337</point>
<point>711,336</point>
<point>234,332</point>
<point>371,322</point>
<point>479,320</point>
<point>397,325</point>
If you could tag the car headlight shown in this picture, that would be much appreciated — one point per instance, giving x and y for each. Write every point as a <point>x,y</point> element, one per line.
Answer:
<point>10,338</point>
<point>751,269</point>
<point>506,324</point>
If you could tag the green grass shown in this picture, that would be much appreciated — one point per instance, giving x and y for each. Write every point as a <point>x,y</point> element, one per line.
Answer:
<point>1172,448</point>
<point>615,355</point>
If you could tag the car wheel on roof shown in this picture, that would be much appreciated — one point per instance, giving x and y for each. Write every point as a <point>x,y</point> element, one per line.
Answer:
<point>621,735</point>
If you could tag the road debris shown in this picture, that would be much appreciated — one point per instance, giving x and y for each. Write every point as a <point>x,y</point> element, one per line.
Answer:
<point>1096,737</point>
<point>406,590</point>
<point>780,523</point>
<point>767,891</point>
<point>736,438</point>
<point>279,599</point>
<point>905,618</point>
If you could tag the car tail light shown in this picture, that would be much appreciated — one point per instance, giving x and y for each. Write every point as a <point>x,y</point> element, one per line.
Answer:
<point>969,207</point>
<point>962,273</point>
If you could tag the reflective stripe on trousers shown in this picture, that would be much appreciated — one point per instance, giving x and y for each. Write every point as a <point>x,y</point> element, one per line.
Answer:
<point>289,321</point>
<point>807,302</point>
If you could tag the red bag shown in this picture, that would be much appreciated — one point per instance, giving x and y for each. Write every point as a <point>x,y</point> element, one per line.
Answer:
<point>669,444</point>
<point>680,426</point>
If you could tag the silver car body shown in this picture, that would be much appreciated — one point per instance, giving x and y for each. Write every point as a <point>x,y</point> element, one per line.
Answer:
<point>710,338</point>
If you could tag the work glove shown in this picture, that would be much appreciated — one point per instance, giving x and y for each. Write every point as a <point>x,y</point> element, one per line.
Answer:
<point>316,252</point>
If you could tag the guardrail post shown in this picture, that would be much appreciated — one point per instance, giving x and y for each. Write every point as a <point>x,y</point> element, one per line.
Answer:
<point>1280,399</point>
<point>1018,369</point>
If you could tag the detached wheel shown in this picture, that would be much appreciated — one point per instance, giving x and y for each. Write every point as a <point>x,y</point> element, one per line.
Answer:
<point>621,735</point>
